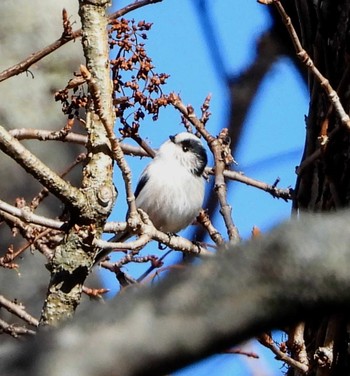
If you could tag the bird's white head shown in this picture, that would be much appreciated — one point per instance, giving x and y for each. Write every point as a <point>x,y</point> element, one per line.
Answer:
<point>187,149</point>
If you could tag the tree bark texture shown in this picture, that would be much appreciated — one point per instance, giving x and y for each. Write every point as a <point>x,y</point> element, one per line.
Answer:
<point>323,182</point>
<point>75,257</point>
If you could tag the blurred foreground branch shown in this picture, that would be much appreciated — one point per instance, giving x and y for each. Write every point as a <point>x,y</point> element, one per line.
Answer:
<point>269,282</point>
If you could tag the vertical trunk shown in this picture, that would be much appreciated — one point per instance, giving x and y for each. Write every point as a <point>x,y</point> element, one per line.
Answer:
<point>323,182</point>
<point>74,258</point>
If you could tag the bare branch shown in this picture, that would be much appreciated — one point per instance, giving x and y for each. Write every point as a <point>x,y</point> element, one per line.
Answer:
<point>296,344</point>
<point>223,158</point>
<point>13,329</point>
<point>25,64</point>
<point>146,232</point>
<point>115,227</point>
<point>307,61</point>
<point>49,179</point>
<point>27,216</point>
<point>286,193</point>
<point>204,220</point>
<point>45,135</point>
<point>80,139</point>
<point>267,341</point>
<point>18,310</point>
<point>146,151</point>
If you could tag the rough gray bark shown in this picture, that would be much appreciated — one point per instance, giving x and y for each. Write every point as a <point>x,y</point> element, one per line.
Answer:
<point>74,258</point>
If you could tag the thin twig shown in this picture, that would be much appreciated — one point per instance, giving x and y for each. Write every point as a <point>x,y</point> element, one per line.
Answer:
<point>123,278</point>
<point>219,146</point>
<point>153,266</point>
<point>146,231</point>
<point>80,139</point>
<point>27,216</point>
<point>14,330</point>
<point>204,220</point>
<point>248,354</point>
<point>34,166</point>
<point>324,136</point>
<point>150,152</point>
<point>18,310</point>
<point>283,193</point>
<point>25,64</point>
<point>308,62</point>
<point>144,145</point>
<point>45,135</point>
<point>266,340</point>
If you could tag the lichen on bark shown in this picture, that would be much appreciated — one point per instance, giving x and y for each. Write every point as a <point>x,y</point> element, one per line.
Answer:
<point>74,258</point>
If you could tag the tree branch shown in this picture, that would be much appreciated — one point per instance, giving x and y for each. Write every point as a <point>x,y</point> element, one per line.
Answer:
<point>18,310</point>
<point>45,135</point>
<point>220,147</point>
<point>25,64</point>
<point>309,64</point>
<point>34,166</point>
<point>275,280</point>
<point>27,216</point>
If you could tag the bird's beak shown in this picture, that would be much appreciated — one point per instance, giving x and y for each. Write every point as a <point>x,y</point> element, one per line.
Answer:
<point>172,139</point>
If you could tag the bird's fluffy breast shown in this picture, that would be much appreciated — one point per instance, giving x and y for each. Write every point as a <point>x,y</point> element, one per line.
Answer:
<point>163,178</point>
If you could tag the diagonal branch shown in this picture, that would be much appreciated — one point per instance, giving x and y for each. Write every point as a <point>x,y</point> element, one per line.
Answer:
<point>34,166</point>
<point>18,310</point>
<point>25,64</point>
<point>308,62</point>
<point>27,216</point>
<point>220,147</point>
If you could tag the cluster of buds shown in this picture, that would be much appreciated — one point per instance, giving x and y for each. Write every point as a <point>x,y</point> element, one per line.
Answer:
<point>133,75</point>
<point>137,89</point>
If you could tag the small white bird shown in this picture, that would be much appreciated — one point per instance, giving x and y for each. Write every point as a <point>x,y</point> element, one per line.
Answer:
<point>171,187</point>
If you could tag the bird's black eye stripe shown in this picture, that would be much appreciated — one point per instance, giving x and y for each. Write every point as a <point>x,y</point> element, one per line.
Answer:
<point>188,145</point>
<point>196,148</point>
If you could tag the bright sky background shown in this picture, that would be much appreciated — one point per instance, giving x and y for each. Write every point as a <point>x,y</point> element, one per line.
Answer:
<point>273,135</point>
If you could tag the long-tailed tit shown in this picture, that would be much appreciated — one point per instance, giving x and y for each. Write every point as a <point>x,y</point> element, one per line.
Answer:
<point>171,187</point>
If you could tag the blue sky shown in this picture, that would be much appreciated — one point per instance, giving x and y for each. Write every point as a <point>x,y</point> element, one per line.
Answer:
<point>273,136</point>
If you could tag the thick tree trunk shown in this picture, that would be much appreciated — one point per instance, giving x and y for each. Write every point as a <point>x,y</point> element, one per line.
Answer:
<point>323,182</point>
<point>74,258</point>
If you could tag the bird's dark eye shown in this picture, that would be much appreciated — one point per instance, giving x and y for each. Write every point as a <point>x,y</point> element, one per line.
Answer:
<point>186,146</point>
